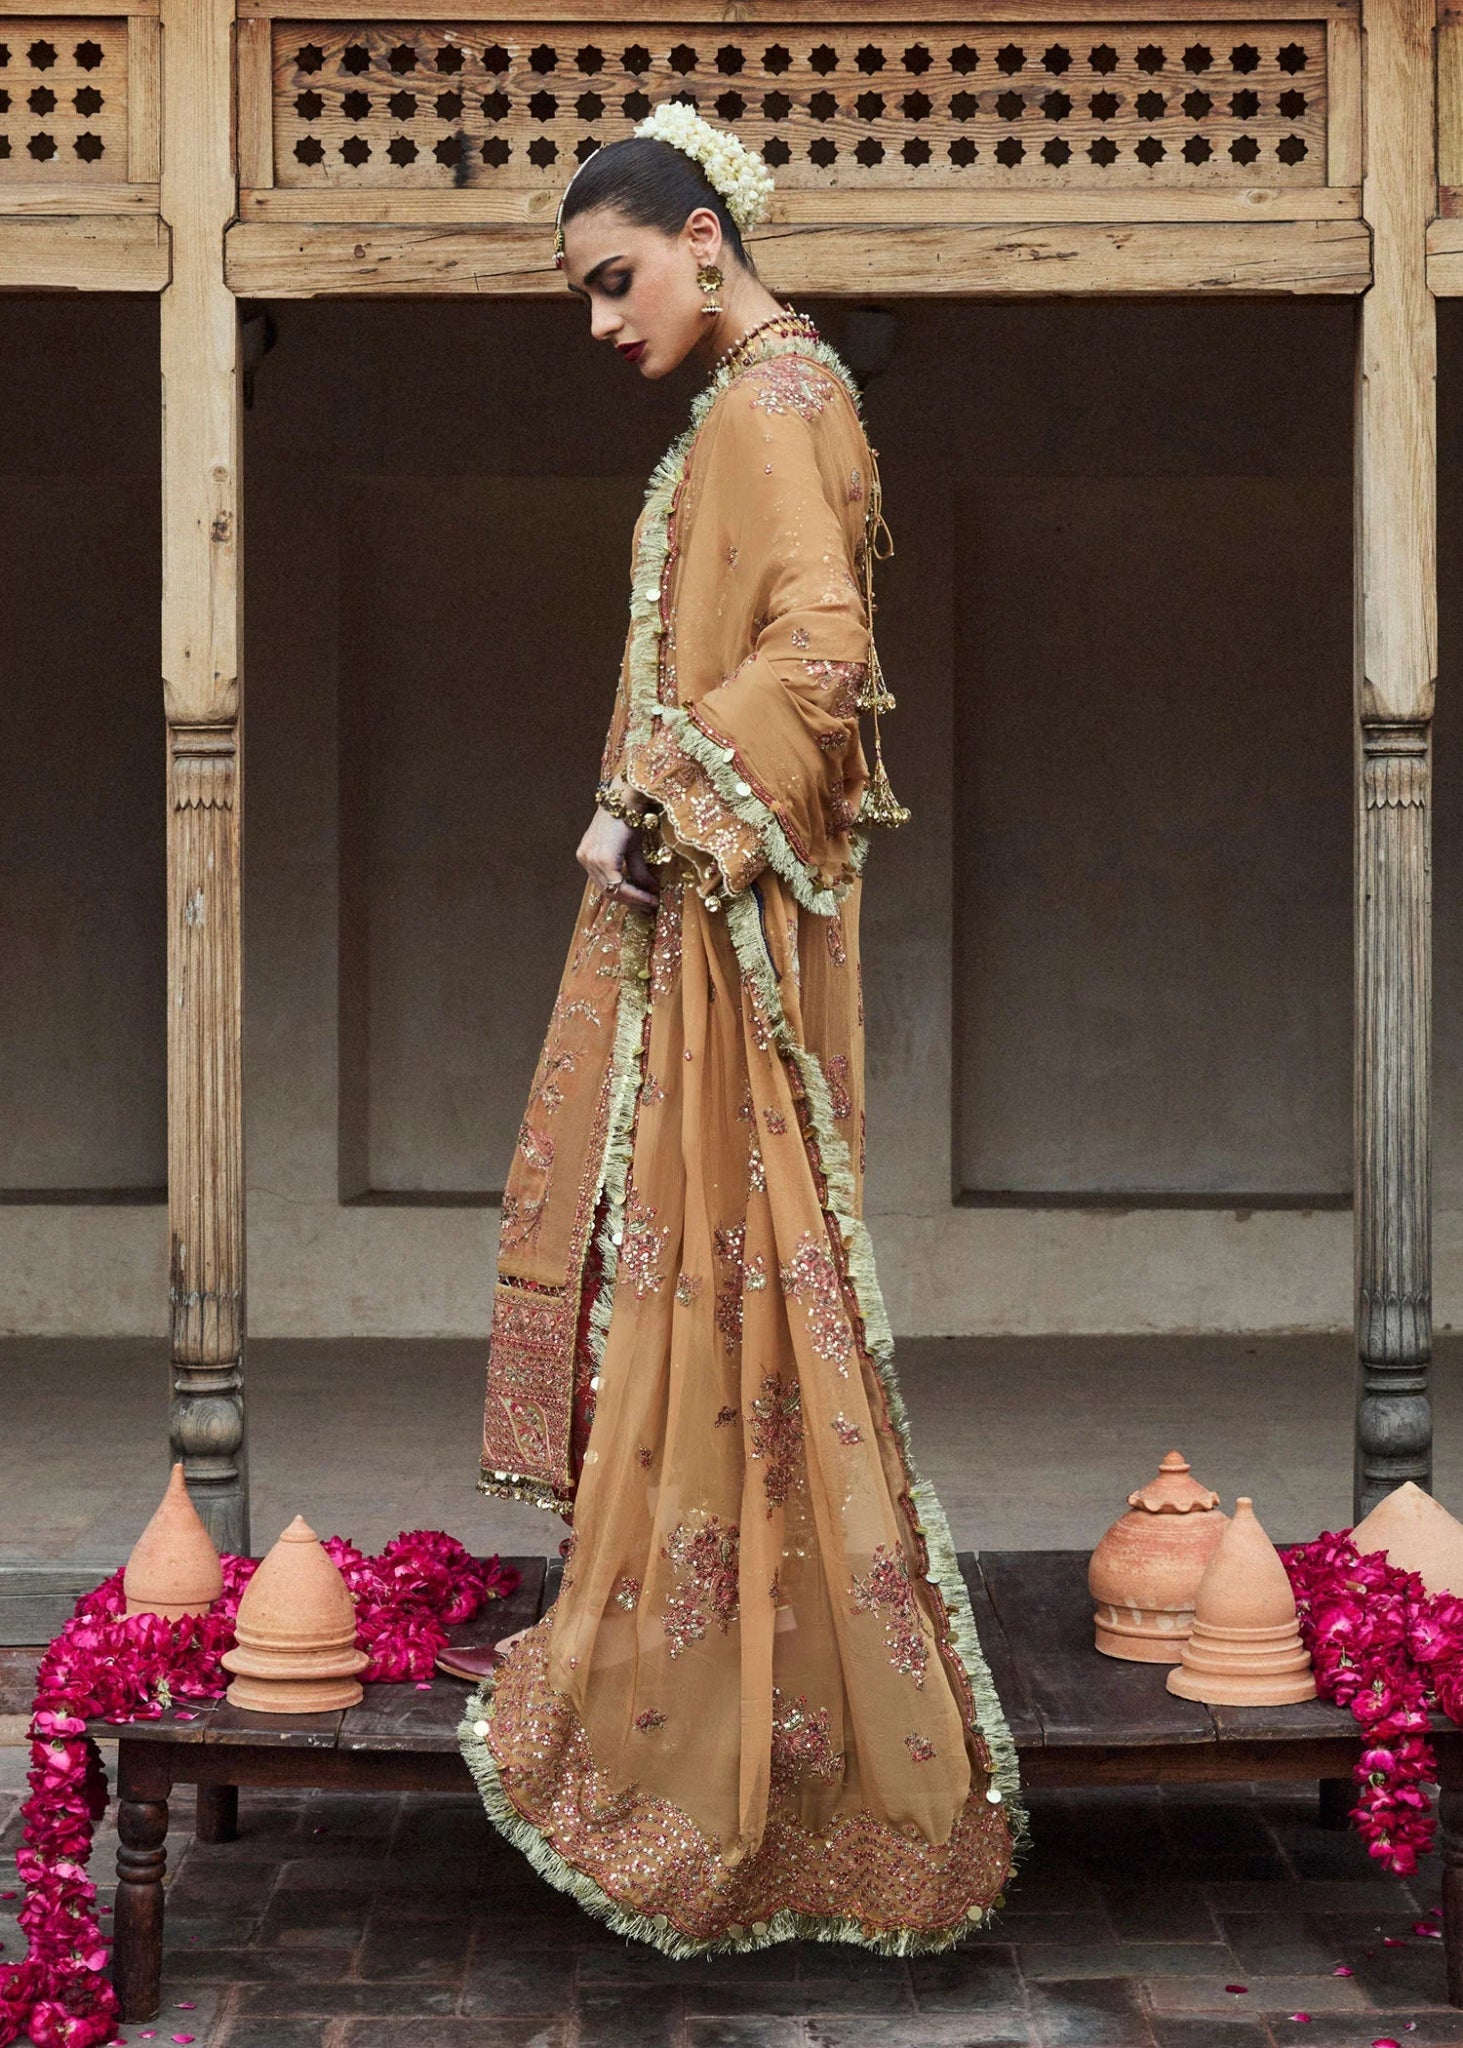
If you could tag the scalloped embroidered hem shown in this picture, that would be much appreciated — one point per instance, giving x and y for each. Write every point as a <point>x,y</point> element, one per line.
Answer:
<point>519,1486</point>
<point>590,1793</point>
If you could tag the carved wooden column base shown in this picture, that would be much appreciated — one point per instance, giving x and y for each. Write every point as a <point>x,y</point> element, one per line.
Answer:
<point>1393,1193</point>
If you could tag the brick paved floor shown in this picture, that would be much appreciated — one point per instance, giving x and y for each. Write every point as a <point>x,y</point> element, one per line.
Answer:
<point>338,1921</point>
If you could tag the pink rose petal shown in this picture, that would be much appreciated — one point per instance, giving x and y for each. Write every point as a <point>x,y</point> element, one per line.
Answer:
<point>1237,1989</point>
<point>185,2005</point>
<point>1303,2017</point>
<point>1393,1941</point>
<point>1386,2041</point>
<point>1342,1970</point>
<point>180,2038</point>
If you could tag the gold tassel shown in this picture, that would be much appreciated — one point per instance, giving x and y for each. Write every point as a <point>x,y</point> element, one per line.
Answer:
<point>880,805</point>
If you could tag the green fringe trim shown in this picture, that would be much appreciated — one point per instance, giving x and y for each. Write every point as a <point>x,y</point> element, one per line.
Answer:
<point>799,876</point>
<point>744,927</point>
<point>625,1081</point>
<point>656,1929</point>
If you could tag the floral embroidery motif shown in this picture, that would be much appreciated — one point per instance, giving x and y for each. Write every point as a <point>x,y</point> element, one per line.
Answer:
<point>521,1219</point>
<point>838,1094</point>
<point>790,383</point>
<point>732,551</point>
<point>801,637</point>
<point>645,1454</point>
<point>919,1746</point>
<point>688,1286</point>
<point>776,1122</point>
<point>627,1592</point>
<point>725,1415</point>
<point>653,1092</point>
<point>730,1238</point>
<point>847,1432</point>
<point>855,486</point>
<point>801,1743</point>
<point>704,1552</point>
<point>536,1146</point>
<point>649,1720</point>
<point>547,1088</point>
<point>643,1247</point>
<point>835,740</point>
<point>833,931</point>
<point>811,1279</point>
<point>845,679</point>
<point>887,1589</point>
<point>777,1436</point>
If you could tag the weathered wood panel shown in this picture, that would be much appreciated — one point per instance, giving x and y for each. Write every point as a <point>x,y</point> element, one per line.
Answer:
<point>83,253</point>
<point>269,259</point>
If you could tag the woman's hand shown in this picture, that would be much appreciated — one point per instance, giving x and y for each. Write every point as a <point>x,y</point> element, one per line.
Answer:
<point>610,855</point>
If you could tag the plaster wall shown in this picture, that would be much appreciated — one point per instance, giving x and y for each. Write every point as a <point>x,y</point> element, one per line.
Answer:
<point>1108,967</point>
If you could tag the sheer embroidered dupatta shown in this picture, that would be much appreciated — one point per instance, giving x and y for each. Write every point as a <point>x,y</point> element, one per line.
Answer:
<point>758,1708</point>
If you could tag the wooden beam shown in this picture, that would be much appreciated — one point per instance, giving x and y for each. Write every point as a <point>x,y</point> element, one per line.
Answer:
<point>345,205</point>
<point>1394,677</point>
<point>272,259</point>
<point>83,252</point>
<point>201,682</point>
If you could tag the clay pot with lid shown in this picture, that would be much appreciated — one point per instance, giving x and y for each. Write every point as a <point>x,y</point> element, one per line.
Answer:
<point>296,1628</point>
<point>1418,1535</point>
<point>174,1568</point>
<point>1144,1574</point>
<point>1245,1647</point>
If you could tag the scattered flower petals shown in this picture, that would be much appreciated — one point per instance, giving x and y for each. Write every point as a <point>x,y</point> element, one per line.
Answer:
<point>1342,1970</point>
<point>1427,1930</point>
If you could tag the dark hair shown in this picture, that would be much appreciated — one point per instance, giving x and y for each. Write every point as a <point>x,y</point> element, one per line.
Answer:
<point>653,184</point>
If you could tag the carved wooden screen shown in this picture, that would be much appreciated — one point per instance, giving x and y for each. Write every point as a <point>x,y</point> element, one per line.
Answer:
<point>63,101</point>
<point>834,106</point>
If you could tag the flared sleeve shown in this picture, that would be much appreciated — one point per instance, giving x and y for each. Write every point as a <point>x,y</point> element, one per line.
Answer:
<point>766,767</point>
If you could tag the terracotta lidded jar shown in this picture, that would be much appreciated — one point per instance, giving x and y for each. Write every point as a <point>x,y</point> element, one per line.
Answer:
<point>1245,1647</point>
<point>174,1568</point>
<point>296,1630</point>
<point>1418,1535</point>
<point>1145,1572</point>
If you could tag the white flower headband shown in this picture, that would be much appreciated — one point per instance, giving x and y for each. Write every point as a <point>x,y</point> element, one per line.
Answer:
<point>742,179</point>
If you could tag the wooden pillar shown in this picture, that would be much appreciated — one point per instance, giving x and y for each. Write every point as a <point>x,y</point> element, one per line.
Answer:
<point>1395,678</point>
<point>202,687</point>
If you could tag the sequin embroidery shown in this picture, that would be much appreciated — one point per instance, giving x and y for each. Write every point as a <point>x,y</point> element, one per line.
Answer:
<point>811,1279</point>
<point>801,1744</point>
<point>777,1437</point>
<point>887,1591</point>
<point>919,1746</point>
<point>703,1553</point>
<point>643,1247</point>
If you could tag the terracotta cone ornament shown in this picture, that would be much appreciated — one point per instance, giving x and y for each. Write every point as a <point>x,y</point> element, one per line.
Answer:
<point>296,1629</point>
<point>1145,1572</point>
<point>1418,1535</point>
<point>1245,1648</point>
<point>174,1568</point>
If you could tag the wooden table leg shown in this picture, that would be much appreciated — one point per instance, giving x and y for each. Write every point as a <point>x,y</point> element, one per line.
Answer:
<point>144,1780</point>
<point>218,1813</point>
<point>1338,1796</point>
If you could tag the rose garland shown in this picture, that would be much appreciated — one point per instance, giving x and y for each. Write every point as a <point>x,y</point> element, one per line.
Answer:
<point>1384,1646</point>
<point>111,1666</point>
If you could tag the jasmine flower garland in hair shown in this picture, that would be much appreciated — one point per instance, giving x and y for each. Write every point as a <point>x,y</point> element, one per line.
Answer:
<point>742,179</point>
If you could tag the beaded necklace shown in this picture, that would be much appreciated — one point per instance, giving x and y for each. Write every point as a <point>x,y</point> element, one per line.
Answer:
<point>792,324</point>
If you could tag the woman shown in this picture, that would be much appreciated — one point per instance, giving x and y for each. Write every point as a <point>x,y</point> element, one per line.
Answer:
<point>758,1709</point>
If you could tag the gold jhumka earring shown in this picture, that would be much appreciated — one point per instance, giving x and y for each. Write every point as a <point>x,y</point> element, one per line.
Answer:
<point>880,805</point>
<point>710,279</point>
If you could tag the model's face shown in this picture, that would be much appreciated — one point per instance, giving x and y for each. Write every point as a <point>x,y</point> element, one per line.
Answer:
<point>640,284</point>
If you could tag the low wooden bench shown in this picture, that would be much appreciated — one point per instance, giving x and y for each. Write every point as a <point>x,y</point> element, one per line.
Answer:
<point>1078,1719</point>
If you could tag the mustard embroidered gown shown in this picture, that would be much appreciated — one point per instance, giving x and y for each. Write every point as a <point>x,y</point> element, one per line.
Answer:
<point>758,1708</point>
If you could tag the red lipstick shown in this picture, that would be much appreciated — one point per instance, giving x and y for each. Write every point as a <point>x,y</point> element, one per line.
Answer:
<point>631,350</point>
